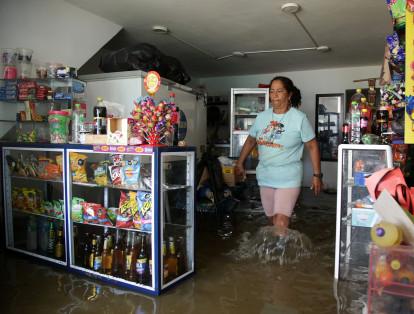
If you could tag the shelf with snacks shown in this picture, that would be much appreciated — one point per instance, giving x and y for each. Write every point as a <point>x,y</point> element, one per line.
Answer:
<point>26,212</point>
<point>113,227</point>
<point>112,186</point>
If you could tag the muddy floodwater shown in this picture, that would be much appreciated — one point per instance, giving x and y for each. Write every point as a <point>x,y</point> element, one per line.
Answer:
<point>254,270</point>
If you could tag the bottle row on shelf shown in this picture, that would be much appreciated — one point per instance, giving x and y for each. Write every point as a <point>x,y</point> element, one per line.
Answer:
<point>126,255</point>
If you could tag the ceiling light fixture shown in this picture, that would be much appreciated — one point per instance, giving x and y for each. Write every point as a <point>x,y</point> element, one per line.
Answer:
<point>290,8</point>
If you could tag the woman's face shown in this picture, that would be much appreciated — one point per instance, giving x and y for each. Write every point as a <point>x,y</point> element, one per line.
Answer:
<point>279,96</point>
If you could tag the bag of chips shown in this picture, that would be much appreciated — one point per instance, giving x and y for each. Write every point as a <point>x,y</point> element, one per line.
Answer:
<point>78,167</point>
<point>76,212</point>
<point>115,172</point>
<point>127,209</point>
<point>90,212</point>
<point>144,213</point>
<point>130,171</point>
<point>101,173</point>
<point>58,206</point>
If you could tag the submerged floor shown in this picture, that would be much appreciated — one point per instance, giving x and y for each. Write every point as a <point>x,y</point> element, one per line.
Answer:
<point>222,284</point>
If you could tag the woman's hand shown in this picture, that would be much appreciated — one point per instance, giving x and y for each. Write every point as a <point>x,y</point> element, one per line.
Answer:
<point>239,170</point>
<point>317,185</point>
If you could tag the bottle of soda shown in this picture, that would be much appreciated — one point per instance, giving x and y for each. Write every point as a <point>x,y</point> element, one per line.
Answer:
<point>346,130</point>
<point>355,123</point>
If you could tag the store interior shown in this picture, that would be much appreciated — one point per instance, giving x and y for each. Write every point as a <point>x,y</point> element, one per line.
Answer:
<point>120,130</point>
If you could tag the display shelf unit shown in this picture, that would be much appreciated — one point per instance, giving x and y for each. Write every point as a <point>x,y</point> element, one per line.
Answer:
<point>245,104</point>
<point>169,217</point>
<point>29,228</point>
<point>355,214</point>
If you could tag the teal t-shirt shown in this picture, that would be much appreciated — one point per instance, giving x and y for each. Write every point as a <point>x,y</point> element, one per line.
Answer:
<point>280,139</point>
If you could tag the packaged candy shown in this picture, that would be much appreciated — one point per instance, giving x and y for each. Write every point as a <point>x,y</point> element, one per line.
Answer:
<point>78,167</point>
<point>90,212</point>
<point>101,174</point>
<point>144,212</point>
<point>145,181</point>
<point>127,209</point>
<point>117,159</point>
<point>130,171</point>
<point>76,213</point>
<point>115,172</point>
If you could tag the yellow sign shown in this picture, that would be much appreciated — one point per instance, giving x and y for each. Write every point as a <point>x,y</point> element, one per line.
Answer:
<point>409,77</point>
<point>152,82</point>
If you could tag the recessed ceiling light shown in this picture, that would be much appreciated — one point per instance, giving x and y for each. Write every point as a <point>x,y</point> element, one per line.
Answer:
<point>239,54</point>
<point>323,48</point>
<point>160,29</point>
<point>291,8</point>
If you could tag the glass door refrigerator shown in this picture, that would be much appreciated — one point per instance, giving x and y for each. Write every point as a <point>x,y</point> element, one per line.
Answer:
<point>246,104</point>
<point>355,214</point>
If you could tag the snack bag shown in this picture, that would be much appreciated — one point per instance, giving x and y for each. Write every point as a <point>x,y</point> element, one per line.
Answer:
<point>29,196</point>
<point>117,159</point>
<point>127,209</point>
<point>103,217</point>
<point>48,208</point>
<point>112,212</point>
<point>47,169</point>
<point>58,206</point>
<point>115,172</point>
<point>78,167</point>
<point>100,174</point>
<point>76,213</point>
<point>59,162</point>
<point>144,212</point>
<point>90,212</point>
<point>130,171</point>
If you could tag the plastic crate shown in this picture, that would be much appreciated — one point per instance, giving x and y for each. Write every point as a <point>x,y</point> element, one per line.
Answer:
<point>391,280</point>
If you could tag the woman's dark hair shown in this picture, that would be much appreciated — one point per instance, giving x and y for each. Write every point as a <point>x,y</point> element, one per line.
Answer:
<point>296,97</point>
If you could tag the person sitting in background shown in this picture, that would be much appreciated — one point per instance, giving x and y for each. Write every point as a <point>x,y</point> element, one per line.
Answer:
<point>280,133</point>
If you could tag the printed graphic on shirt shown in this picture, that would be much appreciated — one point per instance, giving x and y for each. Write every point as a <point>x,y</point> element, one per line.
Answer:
<point>271,134</point>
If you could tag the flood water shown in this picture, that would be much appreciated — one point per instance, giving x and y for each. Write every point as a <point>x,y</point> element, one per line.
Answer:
<point>229,278</point>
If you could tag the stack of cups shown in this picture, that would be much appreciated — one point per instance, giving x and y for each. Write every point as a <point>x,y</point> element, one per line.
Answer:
<point>8,63</point>
<point>24,63</point>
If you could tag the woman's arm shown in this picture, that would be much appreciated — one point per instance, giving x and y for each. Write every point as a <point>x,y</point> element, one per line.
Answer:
<point>313,149</point>
<point>248,146</point>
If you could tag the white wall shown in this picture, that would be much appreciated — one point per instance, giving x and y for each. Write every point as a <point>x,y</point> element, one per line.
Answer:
<point>56,30</point>
<point>310,83</point>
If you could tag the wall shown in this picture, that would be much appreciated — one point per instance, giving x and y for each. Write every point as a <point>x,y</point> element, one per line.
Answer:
<point>310,83</point>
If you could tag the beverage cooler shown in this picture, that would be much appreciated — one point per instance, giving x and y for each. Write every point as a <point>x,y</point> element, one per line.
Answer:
<point>355,214</point>
<point>121,214</point>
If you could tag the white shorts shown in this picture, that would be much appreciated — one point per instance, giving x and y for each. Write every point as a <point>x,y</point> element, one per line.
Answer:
<point>279,200</point>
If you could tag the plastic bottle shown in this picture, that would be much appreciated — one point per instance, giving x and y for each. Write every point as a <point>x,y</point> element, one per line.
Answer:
<point>346,130</point>
<point>356,97</point>
<point>355,123</point>
<point>99,116</point>
<point>365,114</point>
<point>78,118</point>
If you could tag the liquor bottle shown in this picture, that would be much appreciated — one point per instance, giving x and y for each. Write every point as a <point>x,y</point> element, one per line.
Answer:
<point>165,274</point>
<point>97,263</point>
<point>117,260</point>
<point>149,253</point>
<point>134,255</point>
<point>31,234</point>
<point>372,95</point>
<point>86,251</point>
<point>172,259</point>
<point>142,264</point>
<point>92,254</point>
<point>59,247</point>
<point>106,258</point>
<point>355,123</point>
<point>128,254</point>
<point>51,239</point>
<point>43,235</point>
<point>181,256</point>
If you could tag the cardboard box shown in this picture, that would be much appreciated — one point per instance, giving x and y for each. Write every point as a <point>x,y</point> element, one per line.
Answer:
<point>118,131</point>
<point>95,139</point>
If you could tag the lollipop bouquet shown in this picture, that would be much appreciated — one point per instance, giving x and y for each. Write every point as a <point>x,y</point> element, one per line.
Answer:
<point>153,122</point>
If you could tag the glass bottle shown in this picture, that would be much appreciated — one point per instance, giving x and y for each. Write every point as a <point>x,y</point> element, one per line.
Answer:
<point>78,118</point>
<point>106,257</point>
<point>165,274</point>
<point>134,255</point>
<point>128,254</point>
<point>346,130</point>
<point>181,256</point>
<point>51,239</point>
<point>117,260</point>
<point>172,259</point>
<point>142,264</point>
<point>86,251</point>
<point>97,263</point>
<point>59,247</point>
<point>92,254</point>
<point>149,253</point>
<point>31,234</point>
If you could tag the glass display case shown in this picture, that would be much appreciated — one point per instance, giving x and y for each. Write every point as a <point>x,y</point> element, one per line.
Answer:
<point>246,103</point>
<point>34,202</point>
<point>355,214</point>
<point>131,216</point>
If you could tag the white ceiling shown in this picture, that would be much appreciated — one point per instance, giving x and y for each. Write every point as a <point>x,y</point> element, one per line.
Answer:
<point>355,31</point>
